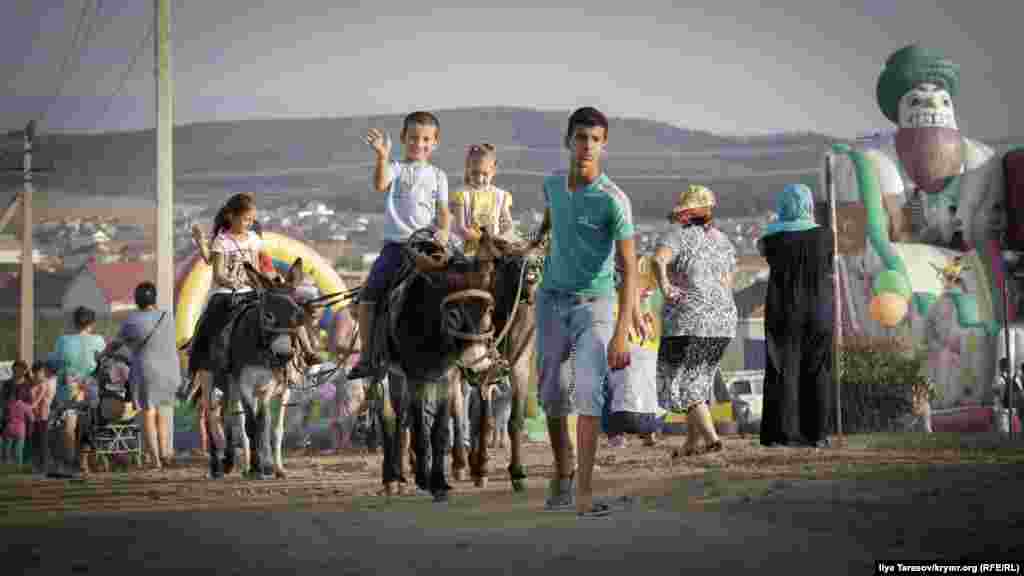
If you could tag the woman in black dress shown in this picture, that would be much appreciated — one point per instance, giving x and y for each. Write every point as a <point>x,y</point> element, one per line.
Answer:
<point>798,323</point>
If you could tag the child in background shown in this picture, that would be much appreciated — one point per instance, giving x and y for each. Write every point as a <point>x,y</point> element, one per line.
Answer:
<point>43,392</point>
<point>350,398</point>
<point>19,416</point>
<point>633,392</point>
<point>9,387</point>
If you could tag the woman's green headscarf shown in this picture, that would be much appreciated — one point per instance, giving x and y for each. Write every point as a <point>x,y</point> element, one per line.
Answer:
<point>794,209</point>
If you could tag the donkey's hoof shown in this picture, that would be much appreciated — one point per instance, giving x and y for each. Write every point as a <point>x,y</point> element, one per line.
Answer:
<point>480,482</point>
<point>459,474</point>
<point>280,473</point>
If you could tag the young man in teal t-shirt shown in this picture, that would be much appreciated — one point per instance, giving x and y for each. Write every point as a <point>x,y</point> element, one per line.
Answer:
<point>589,219</point>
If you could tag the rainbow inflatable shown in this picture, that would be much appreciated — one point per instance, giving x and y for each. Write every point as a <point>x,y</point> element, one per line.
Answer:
<point>193,278</point>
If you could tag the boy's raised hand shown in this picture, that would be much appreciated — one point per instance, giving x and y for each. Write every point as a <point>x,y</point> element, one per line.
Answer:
<point>379,141</point>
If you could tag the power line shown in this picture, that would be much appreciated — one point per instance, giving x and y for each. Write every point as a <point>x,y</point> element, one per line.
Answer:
<point>77,45</point>
<point>62,70</point>
<point>131,67</point>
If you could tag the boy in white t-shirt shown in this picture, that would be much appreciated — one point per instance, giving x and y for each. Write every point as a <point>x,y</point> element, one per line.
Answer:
<point>417,197</point>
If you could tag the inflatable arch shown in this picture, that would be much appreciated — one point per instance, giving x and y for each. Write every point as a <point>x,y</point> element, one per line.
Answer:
<point>194,277</point>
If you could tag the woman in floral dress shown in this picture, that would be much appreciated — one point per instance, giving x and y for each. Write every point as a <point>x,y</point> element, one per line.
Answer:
<point>695,264</point>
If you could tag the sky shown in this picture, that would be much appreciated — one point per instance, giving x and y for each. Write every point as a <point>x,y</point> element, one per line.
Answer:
<point>732,67</point>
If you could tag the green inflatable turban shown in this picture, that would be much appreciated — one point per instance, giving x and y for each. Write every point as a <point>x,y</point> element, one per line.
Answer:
<point>908,67</point>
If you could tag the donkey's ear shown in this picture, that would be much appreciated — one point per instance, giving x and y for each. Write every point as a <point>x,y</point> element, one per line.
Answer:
<point>295,275</point>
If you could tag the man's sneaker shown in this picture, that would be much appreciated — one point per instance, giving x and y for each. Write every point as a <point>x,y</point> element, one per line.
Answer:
<point>565,496</point>
<point>598,510</point>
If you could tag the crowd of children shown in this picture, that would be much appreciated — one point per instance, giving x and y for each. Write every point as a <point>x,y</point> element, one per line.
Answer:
<point>25,411</point>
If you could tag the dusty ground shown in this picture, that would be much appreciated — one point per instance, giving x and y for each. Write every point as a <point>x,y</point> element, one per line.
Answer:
<point>838,510</point>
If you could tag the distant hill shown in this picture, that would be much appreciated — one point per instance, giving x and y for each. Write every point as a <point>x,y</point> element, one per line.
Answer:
<point>326,159</point>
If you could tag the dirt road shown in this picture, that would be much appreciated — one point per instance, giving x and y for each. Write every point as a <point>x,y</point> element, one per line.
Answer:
<point>803,511</point>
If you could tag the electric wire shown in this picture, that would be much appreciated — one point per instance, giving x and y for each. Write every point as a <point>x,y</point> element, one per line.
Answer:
<point>131,68</point>
<point>78,45</point>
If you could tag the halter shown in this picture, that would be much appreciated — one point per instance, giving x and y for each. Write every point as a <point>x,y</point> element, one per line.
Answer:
<point>265,329</point>
<point>500,364</point>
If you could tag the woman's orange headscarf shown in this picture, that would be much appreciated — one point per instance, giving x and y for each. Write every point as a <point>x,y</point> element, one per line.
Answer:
<point>694,203</point>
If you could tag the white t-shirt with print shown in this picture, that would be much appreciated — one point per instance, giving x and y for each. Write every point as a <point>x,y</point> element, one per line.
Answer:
<point>417,190</point>
<point>235,251</point>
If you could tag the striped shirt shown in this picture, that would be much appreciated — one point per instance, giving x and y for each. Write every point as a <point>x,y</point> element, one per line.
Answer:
<point>915,204</point>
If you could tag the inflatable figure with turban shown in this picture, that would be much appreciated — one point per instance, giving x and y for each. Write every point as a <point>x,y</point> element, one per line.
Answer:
<point>913,187</point>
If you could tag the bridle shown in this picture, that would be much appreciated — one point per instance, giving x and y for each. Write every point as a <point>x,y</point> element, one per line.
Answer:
<point>269,325</point>
<point>502,364</point>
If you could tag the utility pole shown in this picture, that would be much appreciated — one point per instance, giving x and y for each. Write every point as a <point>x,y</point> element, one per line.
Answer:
<point>26,298</point>
<point>164,170</point>
<point>26,308</point>
<point>164,157</point>
<point>837,322</point>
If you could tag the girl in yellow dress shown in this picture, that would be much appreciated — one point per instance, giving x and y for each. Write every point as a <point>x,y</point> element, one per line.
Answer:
<point>479,203</point>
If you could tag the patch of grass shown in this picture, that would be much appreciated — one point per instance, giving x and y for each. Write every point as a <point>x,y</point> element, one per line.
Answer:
<point>986,447</point>
<point>718,484</point>
<point>13,470</point>
<point>29,519</point>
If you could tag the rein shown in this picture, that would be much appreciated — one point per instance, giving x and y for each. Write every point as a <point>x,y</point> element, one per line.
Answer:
<point>325,375</point>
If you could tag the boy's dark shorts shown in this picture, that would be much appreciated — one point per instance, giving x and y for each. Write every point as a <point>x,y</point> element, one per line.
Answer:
<point>382,273</point>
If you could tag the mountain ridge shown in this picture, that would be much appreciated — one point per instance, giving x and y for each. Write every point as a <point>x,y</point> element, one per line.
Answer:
<point>326,158</point>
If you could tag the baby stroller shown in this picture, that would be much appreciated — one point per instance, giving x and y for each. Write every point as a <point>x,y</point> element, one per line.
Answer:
<point>113,429</point>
